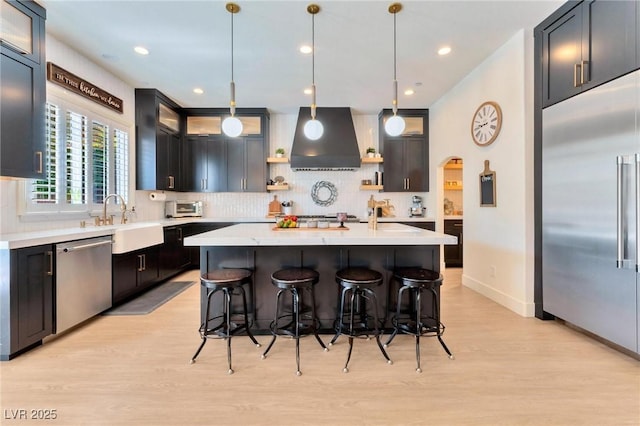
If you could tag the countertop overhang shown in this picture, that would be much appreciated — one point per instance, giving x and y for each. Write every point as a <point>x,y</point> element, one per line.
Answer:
<point>263,234</point>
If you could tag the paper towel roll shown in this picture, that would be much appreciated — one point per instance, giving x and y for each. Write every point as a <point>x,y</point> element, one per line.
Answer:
<point>157,196</point>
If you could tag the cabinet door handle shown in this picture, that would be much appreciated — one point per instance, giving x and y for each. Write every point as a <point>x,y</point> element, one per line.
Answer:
<point>577,82</point>
<point>172,181</point>
<point>179,234</point>
<point>140,267</point>
<point>584,70</point>
<point>50,256</point>
<point>39,165</point>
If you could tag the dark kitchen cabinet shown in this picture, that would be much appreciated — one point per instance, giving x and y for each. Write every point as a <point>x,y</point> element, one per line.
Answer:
<point>453,253</point>
<point>158,135</point>
<point>406,157</point>
<point>23,91</point>
<point>214,162</point>
<point>174,257</point>
<point>429,226</point>
<point>246,164</point>
<point>585,44</point>
<point>27,303</point>
<point>134,272</point>
<point>205,168</point>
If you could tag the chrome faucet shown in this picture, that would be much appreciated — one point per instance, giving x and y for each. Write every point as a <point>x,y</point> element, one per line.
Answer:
<point>109,221</point>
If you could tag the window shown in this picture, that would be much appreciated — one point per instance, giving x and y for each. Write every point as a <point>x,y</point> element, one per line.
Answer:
<point>87,158</point>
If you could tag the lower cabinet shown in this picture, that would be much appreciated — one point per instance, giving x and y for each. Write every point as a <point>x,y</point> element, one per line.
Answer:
<point>429,226</point>
<point>27,298</point>
<point>174,256</point>
<point>453,254</point>
<point>134,272</point>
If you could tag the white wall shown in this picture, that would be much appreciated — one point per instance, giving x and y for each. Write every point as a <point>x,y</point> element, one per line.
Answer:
<point>501,237</point>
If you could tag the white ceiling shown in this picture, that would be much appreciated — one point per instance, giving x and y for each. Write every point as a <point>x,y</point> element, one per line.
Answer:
<point>190,46</point>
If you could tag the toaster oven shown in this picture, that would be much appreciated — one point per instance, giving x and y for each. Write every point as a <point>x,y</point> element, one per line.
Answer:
<point>183,208</point>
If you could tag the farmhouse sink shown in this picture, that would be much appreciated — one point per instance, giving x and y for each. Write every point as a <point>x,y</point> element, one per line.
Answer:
<point>136,236</point>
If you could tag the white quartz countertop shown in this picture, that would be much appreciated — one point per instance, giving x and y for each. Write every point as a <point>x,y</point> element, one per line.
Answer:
<point>16,240</point>
<point>263,234</point>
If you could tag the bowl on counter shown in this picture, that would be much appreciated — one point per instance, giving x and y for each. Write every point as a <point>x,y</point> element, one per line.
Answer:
<point>323,224</point>
<point>312,223</point>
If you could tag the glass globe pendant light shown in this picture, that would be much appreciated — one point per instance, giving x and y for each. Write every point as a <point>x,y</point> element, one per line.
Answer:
<point>394,126</point>
<point>313,129</point>
<point>232,126</point>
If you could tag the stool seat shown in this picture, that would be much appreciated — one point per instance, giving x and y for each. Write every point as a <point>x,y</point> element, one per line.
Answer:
<point>295,281</point>
<point>415,281</point>
<point>293,277</point>
<point>222,277</point>
<point>358,276</point>
<point>357,285</point>
<point>230,282</point>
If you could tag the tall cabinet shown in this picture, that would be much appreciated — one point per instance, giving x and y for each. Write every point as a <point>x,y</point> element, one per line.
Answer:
<point>406,157</point>
<point>23,89</point>
<point>158,126</point>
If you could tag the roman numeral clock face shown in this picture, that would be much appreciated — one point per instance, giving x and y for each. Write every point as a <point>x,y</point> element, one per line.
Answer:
<point>486,123</point>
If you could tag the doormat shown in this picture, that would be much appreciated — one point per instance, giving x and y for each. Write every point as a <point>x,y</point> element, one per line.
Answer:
<point>151,300</point>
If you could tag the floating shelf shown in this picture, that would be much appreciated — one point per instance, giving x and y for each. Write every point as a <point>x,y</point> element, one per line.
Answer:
<point>277,160</point>
<point>455,166</point>
<point>371,160</point>
<point>284,187</point>
<point>371,187</point>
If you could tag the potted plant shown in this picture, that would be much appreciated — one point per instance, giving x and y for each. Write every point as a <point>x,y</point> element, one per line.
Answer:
<point>279,152</point>
<point>371,152</point>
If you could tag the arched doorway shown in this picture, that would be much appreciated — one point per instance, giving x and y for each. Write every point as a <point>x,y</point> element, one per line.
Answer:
<point>453,210</point>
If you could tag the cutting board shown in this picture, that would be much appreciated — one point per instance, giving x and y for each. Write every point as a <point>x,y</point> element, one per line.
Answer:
<point>275,208</point>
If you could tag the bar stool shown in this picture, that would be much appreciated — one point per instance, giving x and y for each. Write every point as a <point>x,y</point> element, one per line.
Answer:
<point>295,281</point>
<point>417,280</point>
<point>358,284</point>
<point>230,282</point>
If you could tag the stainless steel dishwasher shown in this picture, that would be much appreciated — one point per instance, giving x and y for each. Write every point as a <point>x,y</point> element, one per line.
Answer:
<point>83,280</point>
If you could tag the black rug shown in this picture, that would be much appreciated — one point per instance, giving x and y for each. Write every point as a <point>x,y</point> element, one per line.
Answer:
<point>151,300</point>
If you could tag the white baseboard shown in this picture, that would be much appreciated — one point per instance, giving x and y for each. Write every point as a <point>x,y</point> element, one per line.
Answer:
<point>519,307</point>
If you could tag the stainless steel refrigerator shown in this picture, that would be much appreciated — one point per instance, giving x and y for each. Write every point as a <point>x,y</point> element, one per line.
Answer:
<point>591,210</point>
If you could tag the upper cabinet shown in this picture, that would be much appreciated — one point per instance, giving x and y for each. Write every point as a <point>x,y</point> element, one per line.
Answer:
<point>214,162</point>
<point>23,89</point>
<point>585,44</point>
<point>158,136</point>
<point>406,157</point>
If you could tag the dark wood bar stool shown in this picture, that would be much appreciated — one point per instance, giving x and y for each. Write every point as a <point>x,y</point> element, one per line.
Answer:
<point>295,323</point>
<point>415,281</point>
<point>357,284</point>
<point>230,282</point>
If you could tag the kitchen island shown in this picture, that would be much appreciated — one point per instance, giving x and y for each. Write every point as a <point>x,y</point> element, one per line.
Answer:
<point>264,249</point>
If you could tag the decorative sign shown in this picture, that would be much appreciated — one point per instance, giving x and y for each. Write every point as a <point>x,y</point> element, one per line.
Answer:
<point>70,81</point>
<point>487,187</point>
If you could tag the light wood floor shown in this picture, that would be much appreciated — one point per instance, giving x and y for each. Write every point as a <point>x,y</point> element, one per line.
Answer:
<point>508,370</point>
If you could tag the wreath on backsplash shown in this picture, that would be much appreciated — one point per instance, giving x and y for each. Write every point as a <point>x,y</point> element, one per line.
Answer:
<point>324,193</point>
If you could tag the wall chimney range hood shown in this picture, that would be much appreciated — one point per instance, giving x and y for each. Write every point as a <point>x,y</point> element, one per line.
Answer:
<point>337,149</point>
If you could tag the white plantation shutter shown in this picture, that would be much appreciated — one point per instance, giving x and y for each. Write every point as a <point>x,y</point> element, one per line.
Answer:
<point>44,190</point>
<point>76,158</point>
<point>100,163</point>
<point>121,163</point>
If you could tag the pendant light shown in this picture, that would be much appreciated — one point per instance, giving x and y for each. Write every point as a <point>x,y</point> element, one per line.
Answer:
<point>232,126</point>
<point>313,128</point>
<point>394,126</point>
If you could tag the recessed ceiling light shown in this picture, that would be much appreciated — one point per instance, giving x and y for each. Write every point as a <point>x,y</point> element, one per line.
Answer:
<point>141,50</point>
<point>306,49</point>
<point>198,91</point>
<point>308,91</point>
<point>444,50</point>
<point>409,92</point>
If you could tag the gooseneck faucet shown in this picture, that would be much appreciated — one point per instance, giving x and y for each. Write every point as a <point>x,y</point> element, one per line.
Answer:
<point>109,221</point>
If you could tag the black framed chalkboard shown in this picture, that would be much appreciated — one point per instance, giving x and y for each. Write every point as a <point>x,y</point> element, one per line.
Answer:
<point>487,186</point>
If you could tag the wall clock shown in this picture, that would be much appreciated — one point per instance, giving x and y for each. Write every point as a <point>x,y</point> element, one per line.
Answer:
<point>486,123</point>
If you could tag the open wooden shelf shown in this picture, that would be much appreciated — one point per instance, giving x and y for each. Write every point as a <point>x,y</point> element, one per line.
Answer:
<point>371,160</point>
<point>453,187</point>
<point>371,187</point>
<point>277,160</point>
<point>284,187</point>
<point>455,166</point>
